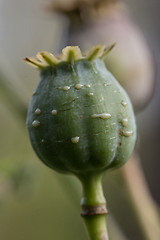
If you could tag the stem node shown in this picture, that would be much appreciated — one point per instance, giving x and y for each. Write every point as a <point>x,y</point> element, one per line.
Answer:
<point>93,210</point>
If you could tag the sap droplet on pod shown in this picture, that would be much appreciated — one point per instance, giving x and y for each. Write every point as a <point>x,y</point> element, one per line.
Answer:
<point>117,91</point>
<point>107,84</point>
<point>35,123</point>
<point>102,115</point>
<point>54,112</point>
<point>65,88</point>
<point>127,133</point>
<point>78,86</point>
<point>124,103</point>
<point>87,85</point>
<point>75,139</point>
<point>90,94</point>
<point>37,111</point>
<point>125,122</point>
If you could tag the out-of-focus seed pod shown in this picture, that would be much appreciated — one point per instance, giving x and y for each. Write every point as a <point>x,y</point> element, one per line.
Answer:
<point>131,62</point>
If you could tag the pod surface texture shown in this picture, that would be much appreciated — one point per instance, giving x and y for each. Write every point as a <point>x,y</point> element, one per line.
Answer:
<point>80,119</point>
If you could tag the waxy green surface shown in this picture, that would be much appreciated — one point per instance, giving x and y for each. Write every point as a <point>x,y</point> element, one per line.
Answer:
<point>80,119</point>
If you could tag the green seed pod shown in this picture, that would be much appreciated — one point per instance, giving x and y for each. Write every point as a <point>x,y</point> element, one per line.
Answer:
<point>80,120</point>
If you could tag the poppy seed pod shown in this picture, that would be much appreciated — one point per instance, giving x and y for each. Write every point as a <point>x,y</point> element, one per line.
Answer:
<point>80,120</point>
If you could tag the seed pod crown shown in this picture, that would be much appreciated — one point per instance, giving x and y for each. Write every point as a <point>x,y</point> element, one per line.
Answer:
<point>70,54</point>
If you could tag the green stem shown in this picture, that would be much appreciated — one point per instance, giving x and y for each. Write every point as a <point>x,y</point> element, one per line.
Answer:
<point>96,227</point>
<point>94,207</point>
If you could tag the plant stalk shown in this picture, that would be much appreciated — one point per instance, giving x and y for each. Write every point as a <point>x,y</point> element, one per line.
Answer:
<point>96,227</point>
<point>94,207</point>
<point>140,198</point>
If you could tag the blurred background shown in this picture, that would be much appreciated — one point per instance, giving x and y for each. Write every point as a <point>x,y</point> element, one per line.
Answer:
<point>36,202</point>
